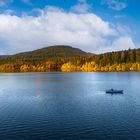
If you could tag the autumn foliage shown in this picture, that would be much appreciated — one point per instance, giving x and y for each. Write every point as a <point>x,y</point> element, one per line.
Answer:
<point>69,59</point>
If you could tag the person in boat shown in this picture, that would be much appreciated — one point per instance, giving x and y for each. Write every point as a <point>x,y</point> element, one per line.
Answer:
<point>114,91</point>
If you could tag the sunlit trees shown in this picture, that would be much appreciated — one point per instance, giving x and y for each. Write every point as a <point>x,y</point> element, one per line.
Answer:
<point>70,67</point>
<point>134,67</point>
<point>25,68</point>
<point>7,68</point>
<point>89,66</point>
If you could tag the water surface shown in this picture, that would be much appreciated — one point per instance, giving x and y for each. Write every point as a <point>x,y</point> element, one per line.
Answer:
<point>69,106</point>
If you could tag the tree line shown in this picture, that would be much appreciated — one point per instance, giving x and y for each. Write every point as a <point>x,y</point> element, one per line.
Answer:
<point>113,61</point>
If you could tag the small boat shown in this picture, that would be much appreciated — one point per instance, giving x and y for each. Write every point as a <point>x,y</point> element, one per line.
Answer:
<point>113,91</point>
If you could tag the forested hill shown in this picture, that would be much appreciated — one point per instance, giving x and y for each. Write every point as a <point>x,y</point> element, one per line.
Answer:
<point>52,51</point>
<point>67,58</point>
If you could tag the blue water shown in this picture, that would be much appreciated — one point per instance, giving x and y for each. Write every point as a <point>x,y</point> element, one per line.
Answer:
<point>63,106</point>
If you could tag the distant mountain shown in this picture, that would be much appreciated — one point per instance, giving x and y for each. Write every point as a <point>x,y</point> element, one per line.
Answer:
<point>47,53</point>
<point>53,51</point>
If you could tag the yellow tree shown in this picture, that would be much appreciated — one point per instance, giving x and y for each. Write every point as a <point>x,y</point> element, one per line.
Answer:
<point>24,68</point>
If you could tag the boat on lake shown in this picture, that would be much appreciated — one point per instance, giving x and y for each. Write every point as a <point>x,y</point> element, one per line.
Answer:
<point>113,91</point>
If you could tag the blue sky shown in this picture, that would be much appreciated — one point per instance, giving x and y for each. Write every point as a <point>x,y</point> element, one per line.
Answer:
<point>131,10</point>
<point>91,25</point>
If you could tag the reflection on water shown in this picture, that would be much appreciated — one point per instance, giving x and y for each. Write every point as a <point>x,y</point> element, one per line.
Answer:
<point>69,106</point>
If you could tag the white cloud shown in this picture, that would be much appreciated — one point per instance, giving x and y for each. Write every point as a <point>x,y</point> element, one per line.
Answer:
<point>123,42</point>
<point>120,43</point>
<point>119,16</point>
<point>9,12</point>
<point>55,26</point>
<point>27,2</point>
<point>2,3</point>
<point>81,7</point>
<point>115,4</point>
<point>5,2</point>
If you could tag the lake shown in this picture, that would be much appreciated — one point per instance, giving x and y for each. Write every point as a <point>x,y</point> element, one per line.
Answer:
<point>59,105</point>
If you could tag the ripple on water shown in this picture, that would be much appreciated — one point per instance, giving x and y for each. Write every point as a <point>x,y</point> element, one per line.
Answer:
<point>69,106</point>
